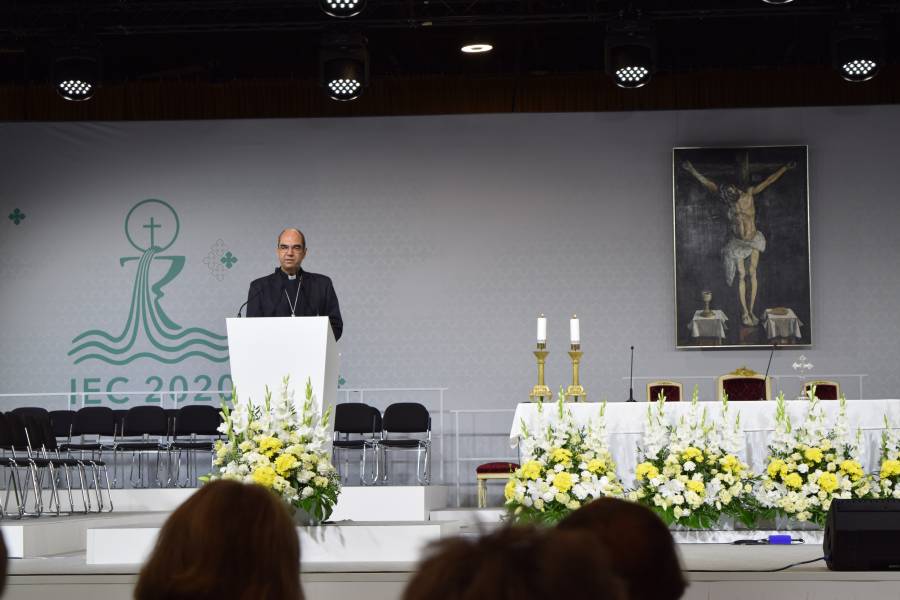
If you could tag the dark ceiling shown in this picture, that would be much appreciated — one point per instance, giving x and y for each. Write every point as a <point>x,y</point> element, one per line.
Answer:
<point>225,40</point>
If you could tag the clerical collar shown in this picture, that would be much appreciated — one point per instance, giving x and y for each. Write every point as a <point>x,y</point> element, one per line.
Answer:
<point>288,275</point>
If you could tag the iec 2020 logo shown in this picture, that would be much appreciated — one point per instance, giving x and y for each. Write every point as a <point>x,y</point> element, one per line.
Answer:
<point>148,332</point>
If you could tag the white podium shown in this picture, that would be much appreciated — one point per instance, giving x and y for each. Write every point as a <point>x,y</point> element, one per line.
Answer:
<point>264,350</point>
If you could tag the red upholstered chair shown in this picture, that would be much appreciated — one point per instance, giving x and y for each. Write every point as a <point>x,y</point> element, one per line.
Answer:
<point>672,390</point>
<point>825,390</point>
<point>745,384</point>
<point>494,470</point>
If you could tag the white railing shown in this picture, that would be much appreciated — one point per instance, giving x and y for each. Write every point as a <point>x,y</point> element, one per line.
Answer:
<point>459,460</point>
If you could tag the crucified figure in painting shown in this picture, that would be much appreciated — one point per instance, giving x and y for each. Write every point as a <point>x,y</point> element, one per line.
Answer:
<point>741,253</point>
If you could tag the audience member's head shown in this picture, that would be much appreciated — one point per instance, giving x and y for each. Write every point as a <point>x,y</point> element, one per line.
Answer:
<point>229,541</point>
<point>639,545</point>
<point>516,563</point>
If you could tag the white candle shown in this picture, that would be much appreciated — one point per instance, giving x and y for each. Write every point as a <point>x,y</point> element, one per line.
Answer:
<point>574,332</point>
<point>541,329</point>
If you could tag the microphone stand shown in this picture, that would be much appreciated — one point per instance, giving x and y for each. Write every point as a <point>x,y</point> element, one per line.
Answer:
<point>631,379</point>
<point>766,377</point>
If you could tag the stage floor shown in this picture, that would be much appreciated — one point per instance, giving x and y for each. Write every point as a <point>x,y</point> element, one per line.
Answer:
<point>69,576</point>
<point>76,557</point>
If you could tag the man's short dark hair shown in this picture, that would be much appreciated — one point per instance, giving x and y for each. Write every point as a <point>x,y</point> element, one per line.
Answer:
<point>278,241</point>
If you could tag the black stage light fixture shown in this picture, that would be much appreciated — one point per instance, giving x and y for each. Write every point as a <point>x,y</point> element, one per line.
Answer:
<point>857,48</point>
<point>344,66</point>
<point>630,53</point>
<point>342,9</point>
<point>76,76</point>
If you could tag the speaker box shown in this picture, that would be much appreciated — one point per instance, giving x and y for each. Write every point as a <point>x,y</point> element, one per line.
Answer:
<point>862,535</point>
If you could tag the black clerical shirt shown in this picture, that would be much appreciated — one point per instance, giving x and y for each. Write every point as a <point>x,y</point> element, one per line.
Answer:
<point>268,297</point>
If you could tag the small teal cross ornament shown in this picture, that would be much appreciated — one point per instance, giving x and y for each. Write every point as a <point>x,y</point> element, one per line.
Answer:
<point>228,260</point>
<point>16,216</point>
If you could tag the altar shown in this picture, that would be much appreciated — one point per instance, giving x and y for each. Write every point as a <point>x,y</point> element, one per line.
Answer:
<point>625,423</point>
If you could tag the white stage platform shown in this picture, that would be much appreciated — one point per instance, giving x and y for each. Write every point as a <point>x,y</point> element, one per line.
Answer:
<point>356,503</point>
<point>347,542</point>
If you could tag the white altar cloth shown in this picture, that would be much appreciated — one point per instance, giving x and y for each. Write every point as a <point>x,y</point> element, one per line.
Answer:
<point>625,425</point>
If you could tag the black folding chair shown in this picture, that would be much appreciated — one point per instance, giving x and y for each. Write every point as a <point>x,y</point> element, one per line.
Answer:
<point>407,418</point>
<point>143,432</point>
<point>196,430</point>
<point>45,453</point>
<point>95,426</point>
<point>360,425</point>
<point>61,422</point>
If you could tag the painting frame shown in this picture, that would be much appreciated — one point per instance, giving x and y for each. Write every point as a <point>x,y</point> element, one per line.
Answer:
<point>742,247</point>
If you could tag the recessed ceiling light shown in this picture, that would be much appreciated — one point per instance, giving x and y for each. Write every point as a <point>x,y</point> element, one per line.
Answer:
<point>476,48</point>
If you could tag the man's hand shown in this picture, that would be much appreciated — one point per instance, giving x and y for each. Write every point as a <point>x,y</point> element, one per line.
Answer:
<point>687,166</point>
<point>791,165</point>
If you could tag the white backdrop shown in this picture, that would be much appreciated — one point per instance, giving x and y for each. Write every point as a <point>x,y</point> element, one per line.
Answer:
<point>445,237</point>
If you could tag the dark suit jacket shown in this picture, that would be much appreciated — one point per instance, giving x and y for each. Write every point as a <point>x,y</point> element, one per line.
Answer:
<point>266,298</point>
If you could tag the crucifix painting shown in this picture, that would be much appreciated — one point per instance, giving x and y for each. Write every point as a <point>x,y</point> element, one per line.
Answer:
<point>742,274</point>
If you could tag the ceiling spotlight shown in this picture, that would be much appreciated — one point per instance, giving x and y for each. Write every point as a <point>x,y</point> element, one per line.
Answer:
<point>344,67</point>
<point>630,53</point>
<point>778,1</point>
<point>76,77</point>
<point>857,48</point>
<point>342,9</point>
<point>476,48</point>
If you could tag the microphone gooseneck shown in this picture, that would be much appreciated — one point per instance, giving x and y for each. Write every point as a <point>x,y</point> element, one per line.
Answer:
<point>631,379</point>
<point>766,377</point>
<point>258,292</point>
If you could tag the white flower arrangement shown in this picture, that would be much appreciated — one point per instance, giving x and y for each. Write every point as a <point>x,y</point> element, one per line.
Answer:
<point>811,465</point>
<point>888,482</point>
<point>564,467</point>
<point>691,473</point>
<point>273,446</point>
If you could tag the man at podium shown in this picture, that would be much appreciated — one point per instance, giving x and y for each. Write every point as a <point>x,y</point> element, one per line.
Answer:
<point>292,292</point>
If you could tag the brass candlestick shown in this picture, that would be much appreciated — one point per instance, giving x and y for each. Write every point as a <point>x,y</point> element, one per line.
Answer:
<point>575,392</point>
<point>541,390</point>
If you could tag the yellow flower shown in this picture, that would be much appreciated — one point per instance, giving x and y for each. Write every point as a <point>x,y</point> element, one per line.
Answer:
<point>889,468</point>
<point>264,476</point>
<point>852,468</point>
<point>793,480</point>
<point>531,469</point>
<point>509,492</point>
<point>695,486</point>
<point>692,453</point>
<point>562,481</point>
<point>775,467</point>
<point>561,455</point>
<point>646,470</point>
<point>730,463</point>
<point>269,446</point>
<point>813,454</point>
<point>596,465</point>
<point>284,463</point>
<point>828,482</point>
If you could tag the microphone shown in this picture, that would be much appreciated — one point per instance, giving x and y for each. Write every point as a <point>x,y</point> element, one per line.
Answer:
<point>258,292</point>
<point>631,379</point>
<point>771,354</point>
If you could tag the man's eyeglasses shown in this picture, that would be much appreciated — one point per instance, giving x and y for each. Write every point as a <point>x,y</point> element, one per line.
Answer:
<point>285,248</point>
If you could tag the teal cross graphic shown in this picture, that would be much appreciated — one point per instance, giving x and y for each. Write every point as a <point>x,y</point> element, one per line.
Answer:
<point>228,260</point>
<point>16,216</point>
<point>151,226</point>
